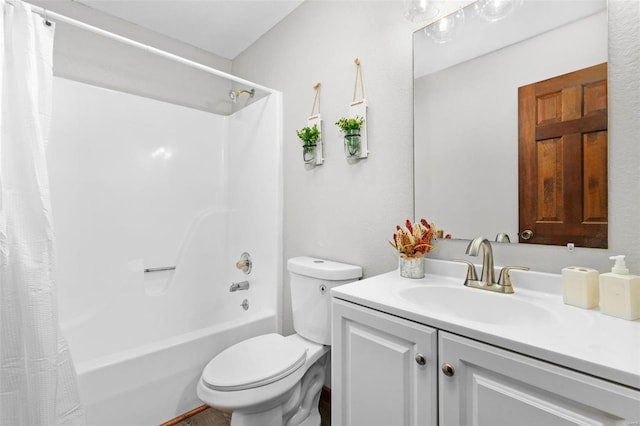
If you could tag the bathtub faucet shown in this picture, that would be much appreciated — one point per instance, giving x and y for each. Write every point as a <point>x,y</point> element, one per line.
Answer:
<point>242,285</point>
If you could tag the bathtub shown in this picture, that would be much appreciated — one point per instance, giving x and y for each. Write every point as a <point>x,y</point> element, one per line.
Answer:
<point>153,190</point>
<point>141,346</point>
<point>156,382</point>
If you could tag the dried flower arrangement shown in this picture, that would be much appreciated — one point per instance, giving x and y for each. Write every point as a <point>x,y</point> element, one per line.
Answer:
<point>413,241</point>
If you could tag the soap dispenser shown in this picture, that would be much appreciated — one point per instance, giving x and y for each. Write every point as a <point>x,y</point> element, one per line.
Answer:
<point>620,291</point>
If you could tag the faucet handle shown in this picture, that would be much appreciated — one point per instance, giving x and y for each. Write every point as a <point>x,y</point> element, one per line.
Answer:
<point>471,270</point>
<point>504,279</point>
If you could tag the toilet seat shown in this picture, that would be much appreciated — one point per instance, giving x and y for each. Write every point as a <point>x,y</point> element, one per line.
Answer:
<point>254,362</point>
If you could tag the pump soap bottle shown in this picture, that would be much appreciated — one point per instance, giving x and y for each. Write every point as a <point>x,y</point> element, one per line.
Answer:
<point>620,291</point>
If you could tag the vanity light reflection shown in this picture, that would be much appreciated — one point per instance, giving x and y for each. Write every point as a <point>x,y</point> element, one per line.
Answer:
<point>162,153</point>
<point>495,10</point>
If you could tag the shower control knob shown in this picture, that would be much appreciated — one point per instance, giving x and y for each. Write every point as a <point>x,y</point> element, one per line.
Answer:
<point>421,359</point>
<point>448,370</point>
<point>245,263</point>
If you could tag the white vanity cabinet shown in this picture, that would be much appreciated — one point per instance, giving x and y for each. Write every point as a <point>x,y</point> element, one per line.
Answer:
<point>489,386</point>
<point>378,379</point>
<point>384,369</point>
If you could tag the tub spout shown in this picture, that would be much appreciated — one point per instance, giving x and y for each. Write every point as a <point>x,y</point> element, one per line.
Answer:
<point>242,285</point>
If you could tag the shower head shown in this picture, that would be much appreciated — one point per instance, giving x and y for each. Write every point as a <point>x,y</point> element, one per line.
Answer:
<point>233,94</point>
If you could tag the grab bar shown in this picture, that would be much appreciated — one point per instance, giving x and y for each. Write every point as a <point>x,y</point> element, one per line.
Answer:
<point>162,268</point>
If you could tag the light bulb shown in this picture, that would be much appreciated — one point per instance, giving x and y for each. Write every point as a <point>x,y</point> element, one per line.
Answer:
<point>420,10</point>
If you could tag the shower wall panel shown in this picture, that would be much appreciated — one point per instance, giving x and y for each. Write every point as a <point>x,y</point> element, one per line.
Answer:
<point>129,178</point>
<point>255,198</point>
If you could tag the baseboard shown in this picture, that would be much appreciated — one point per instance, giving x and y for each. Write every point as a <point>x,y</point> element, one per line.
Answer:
<point>185,416</point>
<point>325,398</point>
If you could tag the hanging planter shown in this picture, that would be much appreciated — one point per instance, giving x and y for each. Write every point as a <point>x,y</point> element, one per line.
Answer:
<point>354,125</point>
<point>311,134</point>
<point>309,137</point>
<point>352,137</point>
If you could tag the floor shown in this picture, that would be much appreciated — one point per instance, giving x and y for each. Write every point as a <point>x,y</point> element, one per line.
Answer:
<point>213,417</point>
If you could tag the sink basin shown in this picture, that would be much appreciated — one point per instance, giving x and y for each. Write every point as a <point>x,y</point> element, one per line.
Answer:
<point>476,305</point>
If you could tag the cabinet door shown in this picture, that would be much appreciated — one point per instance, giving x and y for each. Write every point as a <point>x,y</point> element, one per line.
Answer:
<point>376,378</point>
<point>495,387</point>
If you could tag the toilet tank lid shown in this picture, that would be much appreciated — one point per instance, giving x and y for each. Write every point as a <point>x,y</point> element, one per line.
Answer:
<point>323,269</point>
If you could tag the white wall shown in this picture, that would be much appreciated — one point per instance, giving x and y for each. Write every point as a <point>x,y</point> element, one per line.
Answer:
<point>83,56</point>
<point>342,211</point>
<point>346,212</point>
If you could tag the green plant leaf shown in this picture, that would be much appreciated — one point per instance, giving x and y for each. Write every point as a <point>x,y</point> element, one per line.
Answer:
<point>309,135</point>
<point>350,124</point>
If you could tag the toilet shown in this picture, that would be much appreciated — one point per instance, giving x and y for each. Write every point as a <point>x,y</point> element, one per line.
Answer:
<point>272,380</point>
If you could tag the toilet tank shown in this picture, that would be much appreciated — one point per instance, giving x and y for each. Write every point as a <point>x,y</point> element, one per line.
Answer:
<point>311,282</point>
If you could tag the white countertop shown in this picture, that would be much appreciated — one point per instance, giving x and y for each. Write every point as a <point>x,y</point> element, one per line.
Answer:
<point>580,339</point>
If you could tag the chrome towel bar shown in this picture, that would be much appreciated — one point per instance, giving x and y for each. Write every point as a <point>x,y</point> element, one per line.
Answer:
<point>162,268</point>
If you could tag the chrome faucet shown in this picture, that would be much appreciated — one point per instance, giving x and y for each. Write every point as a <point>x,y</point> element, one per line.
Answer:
<point>487,280</point>
<point>488,276</point>
<point>242,285</point>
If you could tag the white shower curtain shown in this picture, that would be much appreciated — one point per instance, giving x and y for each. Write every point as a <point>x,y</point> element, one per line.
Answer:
<point>37,378</point>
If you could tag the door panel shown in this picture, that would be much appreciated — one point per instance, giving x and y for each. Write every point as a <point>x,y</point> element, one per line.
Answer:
<point>562,159</point>
<point>375,377</point>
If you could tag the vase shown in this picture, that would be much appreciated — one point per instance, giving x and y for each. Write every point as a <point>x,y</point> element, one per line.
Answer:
<point>412,267</point>
<point>309,153</point>
<point>352,145</point>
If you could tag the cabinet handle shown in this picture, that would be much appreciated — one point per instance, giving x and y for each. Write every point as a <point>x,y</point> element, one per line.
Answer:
<point>448,370</point>
<point>420,359</point>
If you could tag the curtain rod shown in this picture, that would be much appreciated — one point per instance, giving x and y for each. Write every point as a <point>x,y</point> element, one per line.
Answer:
<point>47,14</point>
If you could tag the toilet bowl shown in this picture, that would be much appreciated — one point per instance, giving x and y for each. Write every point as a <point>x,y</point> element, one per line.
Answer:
<point>272,380</point>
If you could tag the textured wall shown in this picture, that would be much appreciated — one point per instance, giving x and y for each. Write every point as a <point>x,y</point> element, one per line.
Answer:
<point>346,212</point>
<point>342,211</point>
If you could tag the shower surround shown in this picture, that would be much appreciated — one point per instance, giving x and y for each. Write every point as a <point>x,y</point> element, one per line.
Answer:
<point>136,184</point>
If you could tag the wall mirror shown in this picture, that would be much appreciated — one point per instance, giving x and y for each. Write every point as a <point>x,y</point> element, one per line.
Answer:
<point>467,71</point>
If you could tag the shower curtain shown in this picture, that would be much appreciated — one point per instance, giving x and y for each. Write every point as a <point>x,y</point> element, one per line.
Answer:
<point>37,378</point>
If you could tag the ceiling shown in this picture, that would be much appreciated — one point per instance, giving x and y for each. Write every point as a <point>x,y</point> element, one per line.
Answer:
<point>223,27</point>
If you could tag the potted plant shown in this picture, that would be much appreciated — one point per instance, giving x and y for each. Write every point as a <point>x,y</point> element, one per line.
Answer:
<point>309,137</point>
<point>351,129</point>
<point>412,242</point>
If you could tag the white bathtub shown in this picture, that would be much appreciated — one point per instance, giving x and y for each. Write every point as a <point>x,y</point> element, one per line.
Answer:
<point>136,184</point>
<point>156,382</point>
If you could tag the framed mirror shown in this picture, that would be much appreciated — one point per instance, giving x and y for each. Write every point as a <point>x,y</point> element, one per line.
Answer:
<point>466,78</point>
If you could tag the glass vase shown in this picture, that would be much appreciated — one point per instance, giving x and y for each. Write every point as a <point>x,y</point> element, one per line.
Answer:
<point>309,153</point>
<point>352,145</point>
<point>412,267</point>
